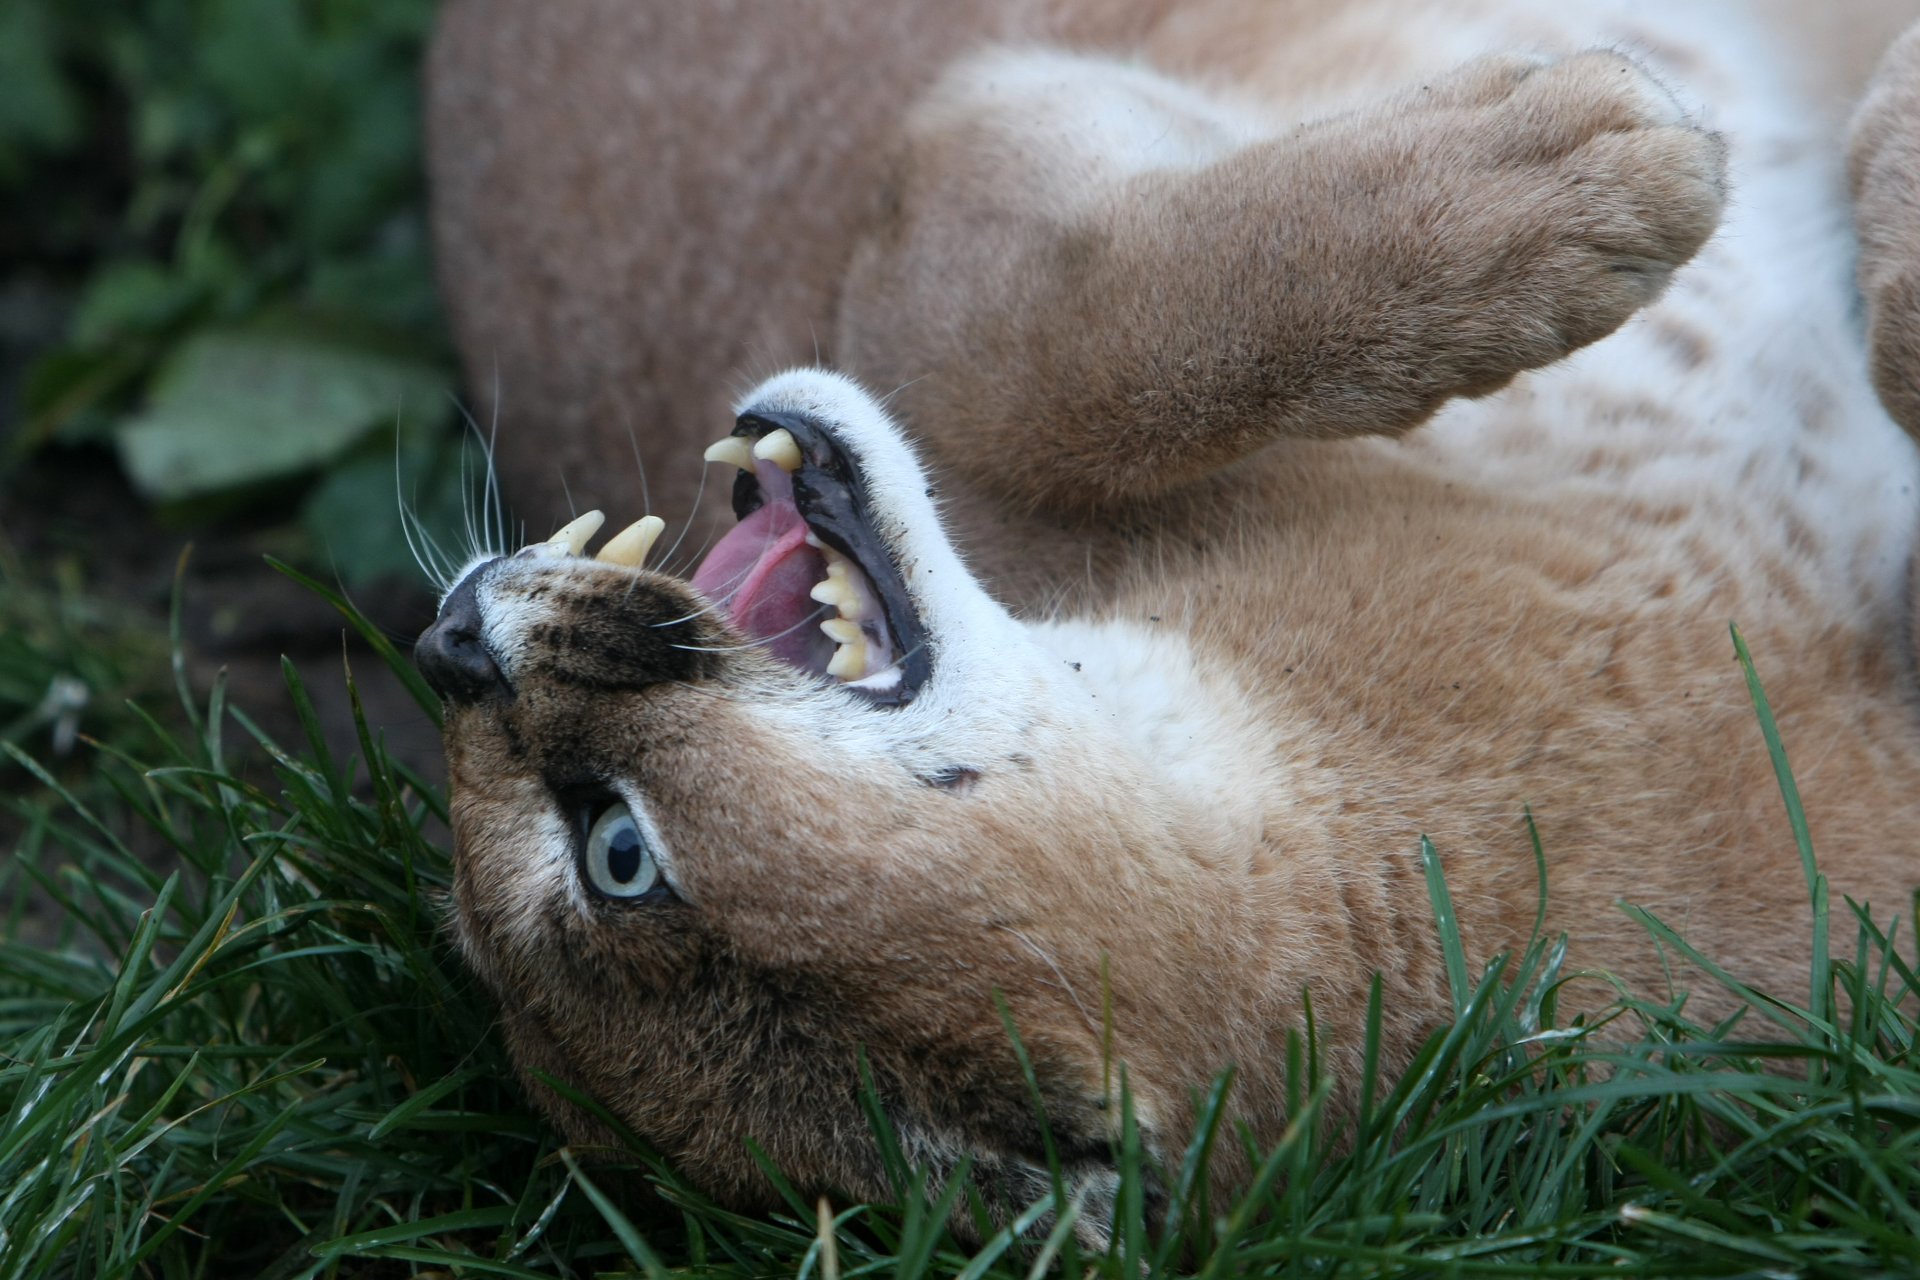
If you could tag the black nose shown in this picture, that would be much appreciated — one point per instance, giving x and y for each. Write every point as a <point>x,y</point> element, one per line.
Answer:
<point>451,653</point>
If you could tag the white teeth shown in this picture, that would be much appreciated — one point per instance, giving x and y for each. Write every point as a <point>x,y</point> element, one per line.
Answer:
<point>734,450</point>
<point>836,592</point>
<point>849,661</point>
<point>850,652</point>
<point>837,588</point>
<point>841,631</point>
<point>630,546</point>
<point>573,535</point>
<point>780,448</point>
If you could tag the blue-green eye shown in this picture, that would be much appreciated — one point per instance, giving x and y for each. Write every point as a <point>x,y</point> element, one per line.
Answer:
<point>619,863</point>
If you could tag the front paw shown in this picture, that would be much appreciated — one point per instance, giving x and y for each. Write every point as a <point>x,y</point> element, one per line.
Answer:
<point>1885,166</point>
<point>1548,201</point>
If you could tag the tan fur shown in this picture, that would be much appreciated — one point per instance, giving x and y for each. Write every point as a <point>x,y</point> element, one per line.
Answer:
<point>1489,222</point>
<point>1164,409</point>
<point>1885,167</point>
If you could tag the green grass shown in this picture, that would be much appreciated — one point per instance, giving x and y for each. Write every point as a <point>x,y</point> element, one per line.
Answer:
<point>252,1052</point>
<point>69,662</point>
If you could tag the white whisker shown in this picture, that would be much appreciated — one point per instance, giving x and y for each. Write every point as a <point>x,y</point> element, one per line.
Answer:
<point>758,641</point>
<point>887,400</point>
<point>697,613</point>
<point>640,463</point>
<point>698,494</point>
<point>494,513</point>
<point>434,575</point>
<point>490,536</point>
<point>725,595</point>
<point>897,662</point>
<point>682,570</point>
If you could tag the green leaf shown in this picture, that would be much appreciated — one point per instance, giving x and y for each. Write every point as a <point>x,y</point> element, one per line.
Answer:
<point>239,407</point>
<point>129,297</point>
<point>394,289</point>
<point>251,54</point>
<point>355,512</point>
<point>68,390</point>
<point>37,106</point>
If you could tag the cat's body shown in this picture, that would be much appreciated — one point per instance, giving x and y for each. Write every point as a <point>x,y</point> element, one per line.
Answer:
<point>1163,331</point>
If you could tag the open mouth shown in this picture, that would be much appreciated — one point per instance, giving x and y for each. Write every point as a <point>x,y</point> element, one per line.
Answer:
<point>804,571</point>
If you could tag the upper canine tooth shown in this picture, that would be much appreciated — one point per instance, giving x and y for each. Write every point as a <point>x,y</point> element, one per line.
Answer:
<point>841,631</point>
<point>733,449</point>
<point>573,535</point>
<point>779,447</point>
<point>631,545</point>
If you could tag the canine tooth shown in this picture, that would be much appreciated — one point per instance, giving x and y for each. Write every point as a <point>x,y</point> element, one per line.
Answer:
<point>849,661</point>
<point>574,533</point>
<point>779,447</point>
<point>733,449</point>
<point>631,545</point>
<point>841,631</point>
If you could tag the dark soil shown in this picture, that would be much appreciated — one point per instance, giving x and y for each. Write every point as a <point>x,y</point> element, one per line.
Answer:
<point>240,615</point>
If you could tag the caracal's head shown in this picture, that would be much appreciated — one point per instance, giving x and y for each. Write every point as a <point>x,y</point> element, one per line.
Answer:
<point>716,840</point>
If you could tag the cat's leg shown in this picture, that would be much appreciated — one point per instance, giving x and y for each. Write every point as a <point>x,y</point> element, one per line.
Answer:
<point>1885,166</point>
<point>1093,283</point>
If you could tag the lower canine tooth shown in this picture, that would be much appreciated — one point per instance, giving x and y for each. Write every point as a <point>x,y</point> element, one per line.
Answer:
<point>779,447</point>
<point>733,449</point>
<point>631,545</point>
<point>849,661</point>
<point>573,535</point>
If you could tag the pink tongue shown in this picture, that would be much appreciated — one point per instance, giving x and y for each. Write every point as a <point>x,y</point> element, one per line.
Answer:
<point>761,573</point>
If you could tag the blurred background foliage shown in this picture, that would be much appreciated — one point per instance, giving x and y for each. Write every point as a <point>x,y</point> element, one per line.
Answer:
<point>214,262</point>
<point>218,325</point>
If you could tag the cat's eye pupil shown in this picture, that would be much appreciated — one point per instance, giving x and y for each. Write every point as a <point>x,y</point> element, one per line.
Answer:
<point>617,858</point>
<point>623,854</point>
